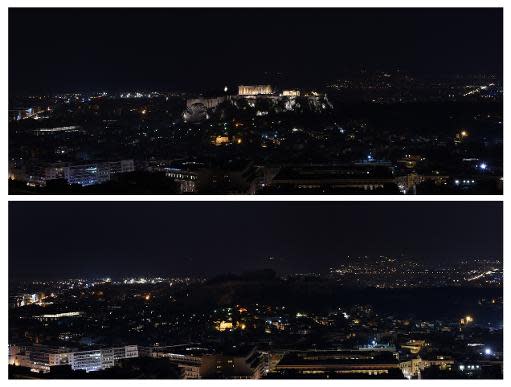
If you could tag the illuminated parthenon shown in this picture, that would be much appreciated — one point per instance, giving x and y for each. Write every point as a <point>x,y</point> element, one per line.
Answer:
<point>255,90</point>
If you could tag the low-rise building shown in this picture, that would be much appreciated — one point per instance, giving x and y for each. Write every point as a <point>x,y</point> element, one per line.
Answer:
<point>42,358</point>
<point>235,363</point>
<point>101,359</point>
<point>83,174</point>
<point>337,362</point>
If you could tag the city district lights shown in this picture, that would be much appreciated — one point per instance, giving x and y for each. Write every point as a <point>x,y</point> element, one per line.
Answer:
<point>461,135</point>
<point>465,182</point>
<point>466,320</point>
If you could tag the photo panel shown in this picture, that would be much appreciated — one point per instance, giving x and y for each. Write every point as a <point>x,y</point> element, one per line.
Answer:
<point>255,290</point>
<point>256,101</point>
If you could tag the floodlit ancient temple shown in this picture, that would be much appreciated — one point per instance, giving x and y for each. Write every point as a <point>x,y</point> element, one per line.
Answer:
<point>255,90</point>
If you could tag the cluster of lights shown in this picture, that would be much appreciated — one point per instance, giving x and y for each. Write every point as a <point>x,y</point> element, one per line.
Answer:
<point>469,367</point>
<point>133,95</point>
<point>467,320</point>
<point>478,89</point>
<point>457,182</point>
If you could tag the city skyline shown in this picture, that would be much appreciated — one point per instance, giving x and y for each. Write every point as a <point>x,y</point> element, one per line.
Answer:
<point>217,290</point>
<point>400,101</point>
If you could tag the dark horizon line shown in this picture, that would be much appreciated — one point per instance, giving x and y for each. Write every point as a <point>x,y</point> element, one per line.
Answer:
<point>132,85</point>
<point>278,272</point>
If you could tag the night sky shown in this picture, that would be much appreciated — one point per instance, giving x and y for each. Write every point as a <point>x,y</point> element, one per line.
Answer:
<point>67,239</point>
<point>53,50</point>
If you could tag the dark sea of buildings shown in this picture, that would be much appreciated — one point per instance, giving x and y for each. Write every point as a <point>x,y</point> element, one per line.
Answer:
<point>382,132</point>
<point>263,325</point>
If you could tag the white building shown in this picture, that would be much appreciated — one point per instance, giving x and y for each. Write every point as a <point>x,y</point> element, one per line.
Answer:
<point>38,358</point>
<point>42,358</point>
<point>82,174</point>
<point>101,359</point>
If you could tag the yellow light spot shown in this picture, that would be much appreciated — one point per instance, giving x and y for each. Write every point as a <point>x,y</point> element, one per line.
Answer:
<point>224,325</point>
<point>221,140</point>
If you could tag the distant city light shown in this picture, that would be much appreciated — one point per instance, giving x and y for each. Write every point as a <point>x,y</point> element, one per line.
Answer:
<point>483,166</point>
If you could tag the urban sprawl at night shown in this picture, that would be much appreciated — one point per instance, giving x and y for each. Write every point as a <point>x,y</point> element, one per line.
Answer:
<point>259,325</point>
<point>258,128</point>
<point>383,132</point>
<point>432,312</point>
<point>323,111</point>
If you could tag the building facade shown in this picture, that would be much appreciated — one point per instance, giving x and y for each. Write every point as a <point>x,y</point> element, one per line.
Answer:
<point>245,363</point>
<point>42,358</point>
<point>101,359</point>
<point>81,174</point>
